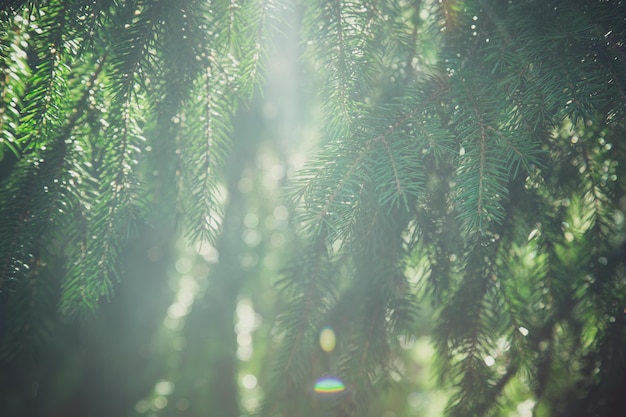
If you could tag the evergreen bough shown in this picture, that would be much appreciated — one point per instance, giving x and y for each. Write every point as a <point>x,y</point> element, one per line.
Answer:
<point>481,140</point>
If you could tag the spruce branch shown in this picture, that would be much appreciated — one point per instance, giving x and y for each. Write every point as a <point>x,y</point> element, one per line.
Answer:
<point>338,32</point>
<point>207,134</point>
<point>257,23</point>
<point>468,328</point>
<point>13,66</point>
<point>118,205</point>
<point>44,101</point>
<point>350,162</point>
<point>308,284</point>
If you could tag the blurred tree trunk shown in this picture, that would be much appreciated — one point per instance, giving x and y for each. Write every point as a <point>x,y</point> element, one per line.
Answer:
<point>101,365</point>
<point>210,354</point>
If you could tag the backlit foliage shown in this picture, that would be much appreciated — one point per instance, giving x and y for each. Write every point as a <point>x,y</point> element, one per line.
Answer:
<point>472,162</point>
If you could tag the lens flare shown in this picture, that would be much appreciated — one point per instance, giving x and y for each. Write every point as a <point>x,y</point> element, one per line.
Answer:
<point>329,385</point>
<point>327,339</point>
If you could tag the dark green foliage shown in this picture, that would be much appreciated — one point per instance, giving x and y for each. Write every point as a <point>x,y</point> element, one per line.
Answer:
<point>87,91</point>
<point>472,162</point>
<point>511,208</point>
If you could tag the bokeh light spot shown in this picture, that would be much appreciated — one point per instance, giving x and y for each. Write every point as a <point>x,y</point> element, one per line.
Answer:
<point>327,339</point>
<point>159,402</point>
<point>281,212</point>
<point>244,339</point>
<point>183,265</point>
<point>489,360</point>
<point>164,387</point>
<point>251,220</point>
<point>182,404</point>
<point>249,381</point>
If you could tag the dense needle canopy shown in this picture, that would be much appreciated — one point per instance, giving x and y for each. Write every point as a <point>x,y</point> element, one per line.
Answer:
<point>466,190</point>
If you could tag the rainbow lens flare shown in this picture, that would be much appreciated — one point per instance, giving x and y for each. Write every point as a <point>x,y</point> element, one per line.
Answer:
<point>329,385</point>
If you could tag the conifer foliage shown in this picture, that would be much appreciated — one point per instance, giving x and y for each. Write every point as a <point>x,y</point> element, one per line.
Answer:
<point>472,160</point>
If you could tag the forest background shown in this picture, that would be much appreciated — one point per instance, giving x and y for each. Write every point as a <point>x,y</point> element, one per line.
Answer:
<point>347,208</point>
